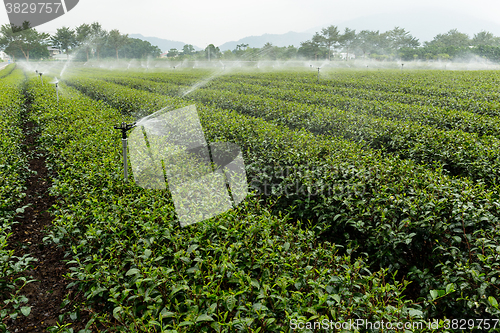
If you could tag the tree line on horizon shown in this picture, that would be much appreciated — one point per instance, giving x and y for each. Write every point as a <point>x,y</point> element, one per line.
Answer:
<point>332,44</point>
<point>86,41</point>
<point>400,44</point>
<point>91,41</point>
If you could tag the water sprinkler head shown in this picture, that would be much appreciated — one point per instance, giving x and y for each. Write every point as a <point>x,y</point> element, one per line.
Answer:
<point>56,84</point>
<point>124,127</point>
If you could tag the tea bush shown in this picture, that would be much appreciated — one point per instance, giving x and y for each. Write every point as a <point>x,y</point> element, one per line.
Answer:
<point>13,175</point>
<point>245,270</point>
<point>463,154</point>
<point>408,218</point>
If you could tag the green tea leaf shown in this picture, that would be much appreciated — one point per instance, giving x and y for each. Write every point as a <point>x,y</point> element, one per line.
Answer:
<point>493,302</point>
<point>132,271</point>
<point>204,317</point>
<point>26,310</point>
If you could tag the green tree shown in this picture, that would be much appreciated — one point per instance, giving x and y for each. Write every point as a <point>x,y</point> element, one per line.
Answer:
<point>64,39</point>
<point>187,49</point>
<point>329,37</point>
<point>310,49</point>
<point>347,40</point>
<point>290,52</point>
<point>241,46</point>
<point>173,53</point>
<point>453,43</point>
<point>368,41</point>
<point>228,55</point>
<point>116,40</point>
<point>313,48</point>
<point>488,51</point>
<point>452,38</point>
<point>443,56</point>
<point>98,37</point>
<point>83,33</point>
<point>212,52</point>
<point>400,38</point>
<point>137,48</point>
<point>485,38</point>
<point>22,40</point>
<point>268,51</point>
<point>384,43</point>
<point>243,52</point>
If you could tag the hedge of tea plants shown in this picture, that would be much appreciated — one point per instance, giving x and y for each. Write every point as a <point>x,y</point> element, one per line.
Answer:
<point>397,106</point>
<point>7,70</point>
<point>465,154</point>
<point>245,270</point>
<point>470,91</point>
<point>465,91</point>
<point>416,221</point>
<point>13,175</point>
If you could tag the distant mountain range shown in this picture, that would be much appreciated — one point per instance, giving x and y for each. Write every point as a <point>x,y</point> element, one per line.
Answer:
<point>290,38</point>
<point>163,44</point>
<point>423,24</point>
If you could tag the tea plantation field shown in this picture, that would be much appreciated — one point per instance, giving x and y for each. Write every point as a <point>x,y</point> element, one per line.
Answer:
<point>373,195</point>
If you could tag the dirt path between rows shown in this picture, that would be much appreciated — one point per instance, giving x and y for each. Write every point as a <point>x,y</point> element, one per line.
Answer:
<point>49,291</point>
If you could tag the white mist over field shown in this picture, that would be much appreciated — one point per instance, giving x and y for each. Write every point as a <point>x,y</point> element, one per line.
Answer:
<point>54,72</point>
<point>220,67</point>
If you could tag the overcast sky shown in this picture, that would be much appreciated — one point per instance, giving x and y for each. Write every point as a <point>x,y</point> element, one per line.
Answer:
<point>201,22</point>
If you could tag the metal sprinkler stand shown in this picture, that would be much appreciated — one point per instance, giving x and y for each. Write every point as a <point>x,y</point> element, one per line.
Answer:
<point>41,80</point>
<point>57,93</point>
<point>318,73</point>
<point>124,128</point>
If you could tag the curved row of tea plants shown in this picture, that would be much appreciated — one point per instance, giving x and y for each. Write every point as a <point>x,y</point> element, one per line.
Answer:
<point>7,70</point>
<point>476,85</point>
<point>455,95</point>
<point>243,270</point>
<point>484,101</point>
<point>13,175</point>
<point>462,154</point>
<point>479,103</point>
<point>391,106</point>
<point>420,222</point>
<point>183,77</point>
<point>356,102</point>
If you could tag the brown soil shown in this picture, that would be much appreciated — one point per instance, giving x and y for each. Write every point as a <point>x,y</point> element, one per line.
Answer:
<point>49,290</point>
